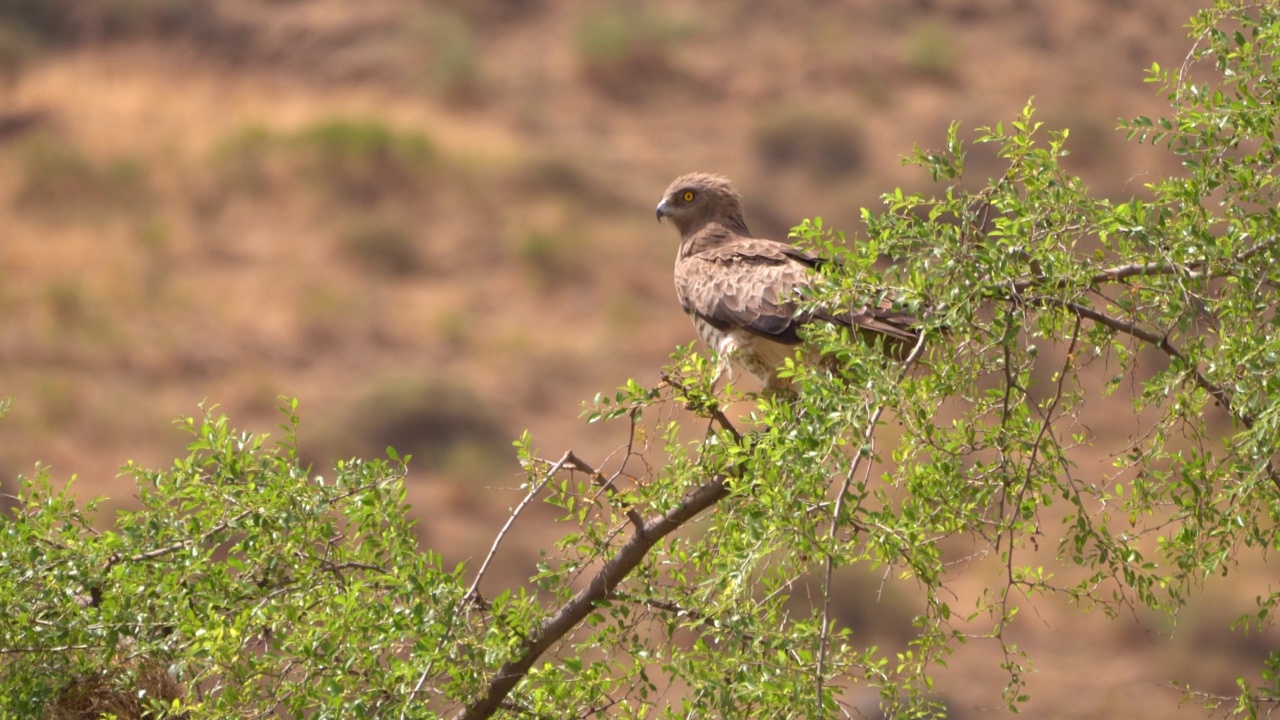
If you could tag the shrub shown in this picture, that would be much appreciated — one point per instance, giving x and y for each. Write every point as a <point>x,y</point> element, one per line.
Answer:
<point>362,159</point>
<point>453,55</point>
<point>245,585</point>
<point>931,51</point>
<point>356,160</point>
<point>551,258</point>
<point>437,423</point>
<point>72,21</point>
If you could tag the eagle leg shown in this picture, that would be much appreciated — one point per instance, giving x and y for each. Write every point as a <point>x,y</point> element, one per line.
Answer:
<point>724,369</point>
<point>726,351</point>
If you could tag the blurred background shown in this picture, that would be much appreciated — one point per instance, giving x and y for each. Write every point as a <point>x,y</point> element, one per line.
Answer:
<point>432,222</point>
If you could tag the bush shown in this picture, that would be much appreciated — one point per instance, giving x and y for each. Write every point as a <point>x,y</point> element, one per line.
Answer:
<point>931,52</point>
<point>72,21</point>
<point>454,61</point>
<point>445,426</point>
<point>362,159</point>
<point>551,259</point>
<point>382,249</point>
<point>18,47</point>
<point>267,587</point>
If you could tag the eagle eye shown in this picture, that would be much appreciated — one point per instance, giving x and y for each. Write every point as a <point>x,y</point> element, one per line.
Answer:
<point>688,196</point>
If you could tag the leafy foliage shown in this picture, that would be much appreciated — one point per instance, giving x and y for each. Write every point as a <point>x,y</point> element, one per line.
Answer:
<point>257,586</point>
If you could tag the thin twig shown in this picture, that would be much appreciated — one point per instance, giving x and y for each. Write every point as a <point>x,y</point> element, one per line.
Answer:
<point>416,689</point>
<point>528,498</point>
<point>45,649</point>
<point>1193,270</point>
<point>713,411</point>
<point>710,622</point>
<point>1162,343</point>
<point>571,460</point>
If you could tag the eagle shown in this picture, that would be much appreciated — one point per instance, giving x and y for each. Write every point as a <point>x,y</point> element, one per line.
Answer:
<point>741,291</point>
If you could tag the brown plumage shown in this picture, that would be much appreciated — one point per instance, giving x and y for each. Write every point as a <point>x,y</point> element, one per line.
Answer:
<point>739,290</point>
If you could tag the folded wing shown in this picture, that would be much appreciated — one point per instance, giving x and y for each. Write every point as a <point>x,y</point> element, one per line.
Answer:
<point>750,284</point>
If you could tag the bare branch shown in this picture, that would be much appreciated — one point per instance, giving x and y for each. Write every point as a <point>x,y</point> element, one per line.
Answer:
<point>493,550</point>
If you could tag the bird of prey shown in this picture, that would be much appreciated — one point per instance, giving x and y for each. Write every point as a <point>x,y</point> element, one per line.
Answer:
<point>740,291</point>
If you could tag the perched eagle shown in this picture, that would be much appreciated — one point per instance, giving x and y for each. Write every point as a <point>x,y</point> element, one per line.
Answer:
<point>739,290</point>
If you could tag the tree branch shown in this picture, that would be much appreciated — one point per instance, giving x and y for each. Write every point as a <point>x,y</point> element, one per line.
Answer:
<point>493,550</point>
<point>1160,342</point>
<point>601,588</point>
<point>1190,270</point>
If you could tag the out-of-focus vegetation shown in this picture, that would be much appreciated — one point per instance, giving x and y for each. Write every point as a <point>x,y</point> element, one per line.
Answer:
<point>63,22</point>
<point>358,161</point>
<point>58,179</point>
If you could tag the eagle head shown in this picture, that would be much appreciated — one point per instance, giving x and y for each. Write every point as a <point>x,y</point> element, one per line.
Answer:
<point>695,200</point>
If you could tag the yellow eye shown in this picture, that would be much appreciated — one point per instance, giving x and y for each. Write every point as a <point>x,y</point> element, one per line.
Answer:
<point>688,196</point>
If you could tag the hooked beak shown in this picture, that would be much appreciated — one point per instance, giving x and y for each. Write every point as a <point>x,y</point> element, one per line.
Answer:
<point>662,210</point>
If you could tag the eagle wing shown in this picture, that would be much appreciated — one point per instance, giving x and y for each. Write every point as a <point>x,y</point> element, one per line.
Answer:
<point>750,284</point>
<point>746,284</point>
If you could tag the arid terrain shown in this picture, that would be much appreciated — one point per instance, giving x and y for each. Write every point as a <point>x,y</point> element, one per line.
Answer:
<point>432,222</point>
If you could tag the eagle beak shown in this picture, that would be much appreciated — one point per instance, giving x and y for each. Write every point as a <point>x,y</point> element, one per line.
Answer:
<point>662,210</point>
